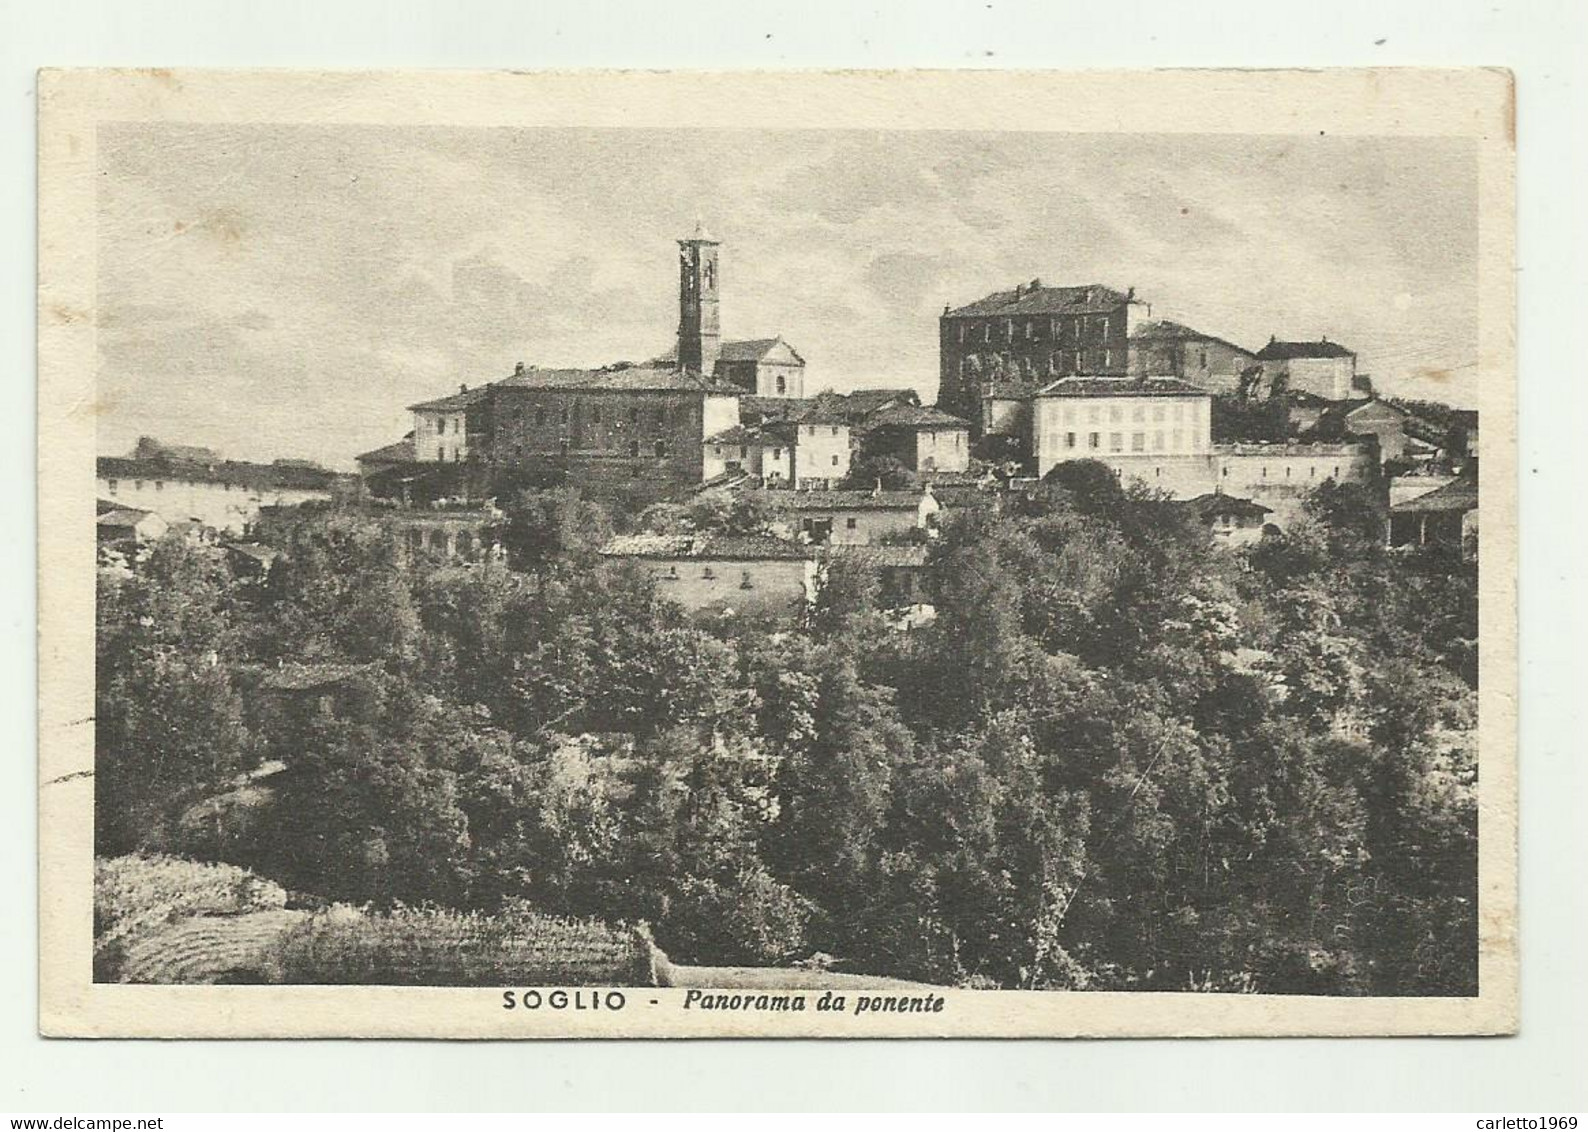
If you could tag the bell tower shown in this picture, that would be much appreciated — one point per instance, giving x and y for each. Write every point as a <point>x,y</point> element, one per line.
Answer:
<point>699,330</point>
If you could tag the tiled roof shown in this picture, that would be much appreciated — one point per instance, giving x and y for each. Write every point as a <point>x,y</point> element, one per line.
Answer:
<point>772,408</point>
<point>730,350</point>
<point>634,378</point>
<point>402,452</point>
<point>895,557</point>
<point>459,400</point>
<point>741,547</point>
<point>1217,503</point>
<point>1035,299</point>
<point>1120,387</point>
<point>1279,351</point>
<point>257,476</point>
<point>914,416</point>
<point>1461,495</point>
<point>839,500</point>
<point>1162,330</point>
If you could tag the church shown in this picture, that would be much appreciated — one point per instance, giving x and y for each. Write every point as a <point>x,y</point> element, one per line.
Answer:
<point>640,428</point>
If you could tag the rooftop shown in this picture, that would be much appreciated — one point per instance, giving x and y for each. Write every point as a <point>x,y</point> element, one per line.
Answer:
<point>1217,503</point>
<point>862,499</point>
<point>1034,298</point>
<point>1323,348</point>
<point>402,452</point>
<point>237,472</point>
<point>1162,330</point>
<point>1460,495</point>
<point>1120,387</point>
<point>744,548</point>
<point>914,416</point>
<point>896,557</point>
<point>620,376</point>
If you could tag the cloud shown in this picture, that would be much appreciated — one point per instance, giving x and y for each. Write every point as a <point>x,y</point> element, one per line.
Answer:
<point>286,290</point>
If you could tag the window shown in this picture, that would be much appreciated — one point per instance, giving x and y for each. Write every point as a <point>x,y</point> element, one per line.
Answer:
<point>562,446</point>
<point>957,439</point>
<point>716,450</point>
<point>661,415</point>
<point>634,448</point>
<point>743,451</point>
<point>137,485</point>
<point>1069,440</point>
<point>595,414</point>
<point>1225,471</point>
<point>672,572</point>
<point>1031,329</point>
<point>1116,442</point>
<point>540,416</point>
<point>849,523</point>
<point>986,332</point>
<point>962,332</point>
<point>455,455</point>
<point>708,573</point>
<point>810,430</point>
<point>1092,439</point>
<point>835,461</point>
<point>835,430</point>
<point>782,384</point>
<point>1337,471</point>
<point>1139,413</point>
<point>1157,412</point>
<point>1312,471</point>
<point>1138,441</point>
<point>159,485</point>
<point>114,485</point>
<point>661,448</point>
<point>1178,435</point>
<point>1265,471</point>
<point>1157,440</point>
<point>777,453</point>
<point>441,426</point>
<point>1204,359</point>
<point>744,580</point>
<point>1287,471</point>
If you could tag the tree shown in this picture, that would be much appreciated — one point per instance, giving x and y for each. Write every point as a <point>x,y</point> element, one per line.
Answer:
<point>556,527</point>
<point>886,472</point>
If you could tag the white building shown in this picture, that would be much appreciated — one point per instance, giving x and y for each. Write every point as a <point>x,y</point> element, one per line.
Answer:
<point>223,494</point>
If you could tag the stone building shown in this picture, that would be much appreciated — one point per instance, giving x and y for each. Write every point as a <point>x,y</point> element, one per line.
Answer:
<point>1324,368</point>
<point>923,439</point>
<point>1010,343</point>
<point>1160,348</point>
<point>850,517</point>
<point>639,428</point>
<point>743,573</point>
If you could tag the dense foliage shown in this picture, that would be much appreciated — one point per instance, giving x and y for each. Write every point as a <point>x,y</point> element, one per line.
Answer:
<point>1118,758</point>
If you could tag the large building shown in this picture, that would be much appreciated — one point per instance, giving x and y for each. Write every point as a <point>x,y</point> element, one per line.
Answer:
<point>643,427</point>
<point>1011,343</point>
<point>1158,432</point>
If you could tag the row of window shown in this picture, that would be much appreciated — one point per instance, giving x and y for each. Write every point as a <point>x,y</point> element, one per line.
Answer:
<point>744,453</point>
<point>1032,329</point>
<point>564,448</point>
<point>1137,413</point>
<point>1138,441</point>
<point>685,414</point>
<point>708,574</point>
<point>1059,363</point>
<point>114,486</point>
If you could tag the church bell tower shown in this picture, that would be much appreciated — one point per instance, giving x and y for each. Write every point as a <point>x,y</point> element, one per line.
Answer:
<point>699,331</point>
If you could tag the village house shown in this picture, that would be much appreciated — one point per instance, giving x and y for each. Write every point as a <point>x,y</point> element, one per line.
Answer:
<point>194,485</point>
<point>1324,368</point>
<point>128,526</point>
<point>923,439</point>
<point>1232,520</point>
<point>1160,348</point>
<point>900,570</point>
<point>1006,345</point>
<point>1446,516</point>
<point>850,517</point>
<point>744,573</point>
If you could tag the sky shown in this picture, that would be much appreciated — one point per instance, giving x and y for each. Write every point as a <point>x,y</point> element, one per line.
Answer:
<point>286,291</point>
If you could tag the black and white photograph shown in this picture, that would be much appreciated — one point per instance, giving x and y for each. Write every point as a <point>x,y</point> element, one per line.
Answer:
<point>787,578</point>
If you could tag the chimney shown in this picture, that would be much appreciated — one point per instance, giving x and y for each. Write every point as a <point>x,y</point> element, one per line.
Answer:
<point>464,388</point>
<point>519,368</point>
<point>876,492</point>
<point>1035,285</point>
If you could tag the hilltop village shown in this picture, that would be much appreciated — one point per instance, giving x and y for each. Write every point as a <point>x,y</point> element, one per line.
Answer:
<point>1135,660</point>
<point>1030,379</point>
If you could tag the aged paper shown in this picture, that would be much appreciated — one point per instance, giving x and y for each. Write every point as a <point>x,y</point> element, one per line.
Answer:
<point>776,555</point>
